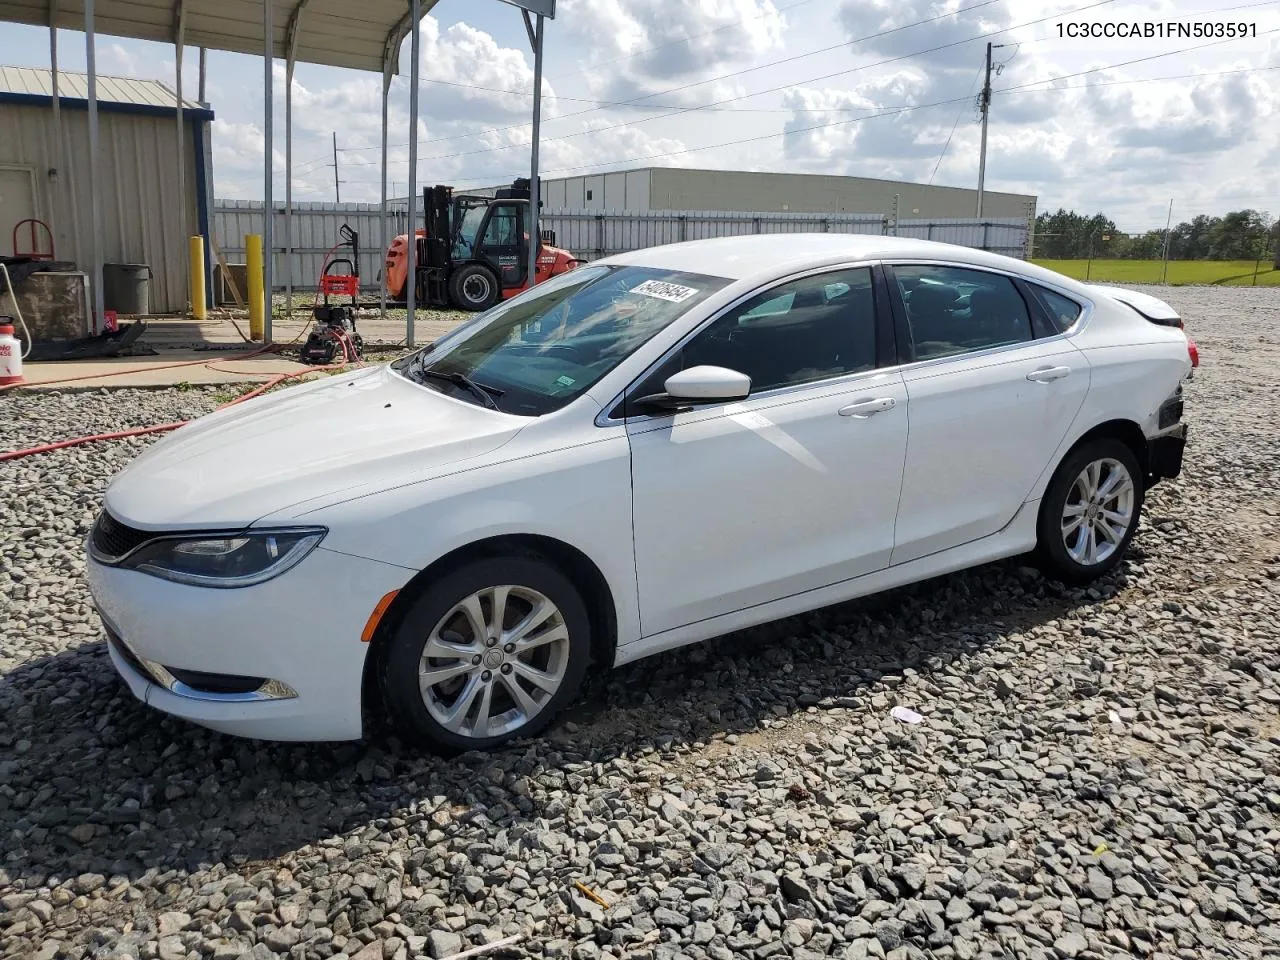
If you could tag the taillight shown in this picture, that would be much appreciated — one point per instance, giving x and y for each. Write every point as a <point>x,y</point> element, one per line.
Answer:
<point>1193,352</point>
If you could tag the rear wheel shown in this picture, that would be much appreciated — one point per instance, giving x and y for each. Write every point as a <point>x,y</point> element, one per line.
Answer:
<point>488,653</point>
<point>1090,511</point>
<point>473,287</point>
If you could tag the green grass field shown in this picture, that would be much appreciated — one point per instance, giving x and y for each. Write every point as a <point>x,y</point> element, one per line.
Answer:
<point>1234,273</point>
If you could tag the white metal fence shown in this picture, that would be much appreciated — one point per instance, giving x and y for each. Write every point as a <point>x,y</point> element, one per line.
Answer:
<point>315,231</point>
<point>590,234</point>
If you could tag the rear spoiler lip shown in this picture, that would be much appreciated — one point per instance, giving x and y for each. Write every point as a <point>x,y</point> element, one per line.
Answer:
<point>1146,306</point>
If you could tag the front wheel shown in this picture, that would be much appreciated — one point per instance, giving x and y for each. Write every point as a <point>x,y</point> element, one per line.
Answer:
<point>472,287</point>
<point>1090,511</point>
<point>488,653</point>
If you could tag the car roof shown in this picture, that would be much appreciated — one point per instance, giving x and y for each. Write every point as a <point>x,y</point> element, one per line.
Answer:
<point>768,255</point>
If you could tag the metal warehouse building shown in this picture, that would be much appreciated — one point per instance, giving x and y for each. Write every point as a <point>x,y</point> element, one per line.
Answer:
<point>148,209</point>
<point>675,188</point>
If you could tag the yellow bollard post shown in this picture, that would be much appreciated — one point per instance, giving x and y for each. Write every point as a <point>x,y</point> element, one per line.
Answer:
<point>195,249</point>
<point>253,264</point>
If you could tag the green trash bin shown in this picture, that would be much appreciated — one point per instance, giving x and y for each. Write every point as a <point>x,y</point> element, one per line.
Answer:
<point>126,287</point>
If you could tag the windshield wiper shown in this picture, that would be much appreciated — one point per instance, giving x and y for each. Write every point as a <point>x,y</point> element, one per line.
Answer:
<point>485,394</point>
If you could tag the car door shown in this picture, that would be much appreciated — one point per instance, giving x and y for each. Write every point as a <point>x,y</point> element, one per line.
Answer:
<point>992,389</point>
<point>792,489</point>
<point>502,244</point>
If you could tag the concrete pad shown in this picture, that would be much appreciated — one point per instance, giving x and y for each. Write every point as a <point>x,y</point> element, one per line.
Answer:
<point>198,368</point>
<point>203,352</point>
<point>224,328</point>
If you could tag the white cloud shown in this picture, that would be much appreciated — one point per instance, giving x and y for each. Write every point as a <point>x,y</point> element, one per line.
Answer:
<point>1124,145</point>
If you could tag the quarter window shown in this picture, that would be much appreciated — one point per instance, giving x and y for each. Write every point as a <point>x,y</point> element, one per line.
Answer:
<point>1063,311</point>
<point>953,310</point>
<point>801,331</point>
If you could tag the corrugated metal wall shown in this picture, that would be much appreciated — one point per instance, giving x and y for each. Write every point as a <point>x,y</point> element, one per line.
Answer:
<point>593,234</point>
<point>682,188</point>
<point>315,230</point>
<point>590,234</point>
<point>138,190</point>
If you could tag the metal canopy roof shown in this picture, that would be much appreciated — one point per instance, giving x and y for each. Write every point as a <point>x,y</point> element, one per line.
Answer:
<point>364,35</point>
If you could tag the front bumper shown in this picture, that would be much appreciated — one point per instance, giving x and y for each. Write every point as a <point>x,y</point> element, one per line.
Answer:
<point>299,634</point>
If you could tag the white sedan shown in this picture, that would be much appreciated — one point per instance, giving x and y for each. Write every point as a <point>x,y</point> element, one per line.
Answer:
<point>648,451</point>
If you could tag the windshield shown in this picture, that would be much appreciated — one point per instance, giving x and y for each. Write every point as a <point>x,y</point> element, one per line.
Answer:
<point>471,215</point>
<point>543,349</point>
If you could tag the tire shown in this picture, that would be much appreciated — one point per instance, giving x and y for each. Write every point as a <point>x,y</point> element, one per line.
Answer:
<point>422,713</point>
<point>1066,554</point>
<point>473,287</point>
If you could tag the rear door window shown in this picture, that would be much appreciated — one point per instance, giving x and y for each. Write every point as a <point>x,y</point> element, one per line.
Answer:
<point>956,310</point>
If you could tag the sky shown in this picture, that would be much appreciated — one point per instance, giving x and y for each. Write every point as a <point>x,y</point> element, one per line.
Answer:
<point>874,88</point>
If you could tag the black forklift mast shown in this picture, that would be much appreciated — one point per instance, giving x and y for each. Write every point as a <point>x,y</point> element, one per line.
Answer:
<point>435,250</point>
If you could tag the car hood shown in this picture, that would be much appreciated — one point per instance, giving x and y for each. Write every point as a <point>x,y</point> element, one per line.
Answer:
<point>354,433</point>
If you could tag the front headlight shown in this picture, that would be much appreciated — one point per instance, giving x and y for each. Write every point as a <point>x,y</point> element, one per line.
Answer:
<point>230,560</point>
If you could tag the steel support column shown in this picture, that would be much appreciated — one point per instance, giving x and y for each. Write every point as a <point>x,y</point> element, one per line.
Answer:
<point>268,245</point>
<point>382,209</point>
<point>291,58</point>
<point>203,65</point>
<point>56,171</point>
<point>95,206</point>
<point>179,41</point>
<point>415,32</point>
<point>535,191</point>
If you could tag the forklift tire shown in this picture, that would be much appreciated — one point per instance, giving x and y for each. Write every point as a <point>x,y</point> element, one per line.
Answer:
<point>473,287</point>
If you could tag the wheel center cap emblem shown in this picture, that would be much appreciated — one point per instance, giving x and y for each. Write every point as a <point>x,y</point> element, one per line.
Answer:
<point>493,659</point>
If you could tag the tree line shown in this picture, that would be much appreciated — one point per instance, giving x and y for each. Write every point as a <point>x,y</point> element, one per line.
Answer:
<point>1239,235</point>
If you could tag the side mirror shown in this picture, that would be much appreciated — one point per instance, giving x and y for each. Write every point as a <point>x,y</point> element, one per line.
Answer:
<point>699,385</point>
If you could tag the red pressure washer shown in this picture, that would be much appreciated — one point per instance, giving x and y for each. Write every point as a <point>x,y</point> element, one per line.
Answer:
<point>334,334</point>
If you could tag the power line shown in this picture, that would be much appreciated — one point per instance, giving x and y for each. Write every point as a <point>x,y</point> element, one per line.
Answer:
<point>680,109</point>
<point>696,36</point>
<point>1020,88</point>
<point>712,109</point>
<point>959,114</point>
<point>684,110</point>
<point>599,130</point>
<point>771,63</point>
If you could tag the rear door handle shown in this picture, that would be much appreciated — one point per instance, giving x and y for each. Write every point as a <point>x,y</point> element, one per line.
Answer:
<point>1048,374</point>
<point>865,408</point>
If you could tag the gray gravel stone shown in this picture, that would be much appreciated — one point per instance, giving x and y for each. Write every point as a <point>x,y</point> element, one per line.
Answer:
<point>1098,774</point>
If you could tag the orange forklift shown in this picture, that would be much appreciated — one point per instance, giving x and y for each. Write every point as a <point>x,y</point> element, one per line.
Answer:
<point>474,250</point>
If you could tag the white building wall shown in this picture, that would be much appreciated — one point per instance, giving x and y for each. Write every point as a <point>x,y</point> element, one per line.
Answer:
<point>138,188</point>
<point>730,191</point>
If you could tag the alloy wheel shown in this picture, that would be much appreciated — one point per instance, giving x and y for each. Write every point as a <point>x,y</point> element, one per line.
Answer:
<point>494,661</point>
<point>1098,512</point>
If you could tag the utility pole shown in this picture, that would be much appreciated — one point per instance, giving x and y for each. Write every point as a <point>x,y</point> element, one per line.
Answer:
<point>1164,255</point>
<point>984,104</point>
<point>337,195</point>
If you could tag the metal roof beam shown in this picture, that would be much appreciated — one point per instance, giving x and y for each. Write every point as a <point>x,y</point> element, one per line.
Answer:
<point>391,53</point>
<point>295,23</point>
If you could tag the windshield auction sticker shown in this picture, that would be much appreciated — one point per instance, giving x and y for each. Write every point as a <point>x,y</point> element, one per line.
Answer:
<point>672,292</point>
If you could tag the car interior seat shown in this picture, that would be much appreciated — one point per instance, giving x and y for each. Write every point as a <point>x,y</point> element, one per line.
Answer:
<point>933,322</point>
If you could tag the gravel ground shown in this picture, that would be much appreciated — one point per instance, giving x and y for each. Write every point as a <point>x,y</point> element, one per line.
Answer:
<point>1097,773</point>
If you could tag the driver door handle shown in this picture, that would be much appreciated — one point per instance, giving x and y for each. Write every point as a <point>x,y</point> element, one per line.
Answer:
<point>1048,374</point>
<point>866,408</point>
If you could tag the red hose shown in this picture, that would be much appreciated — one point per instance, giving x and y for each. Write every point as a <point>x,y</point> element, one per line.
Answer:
<point>141,431</point>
